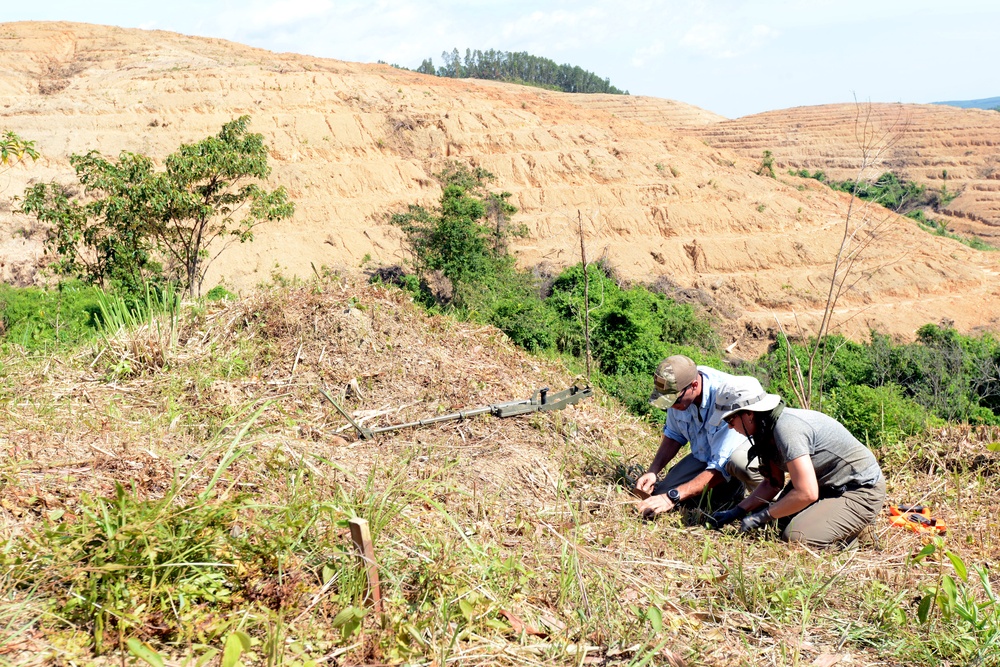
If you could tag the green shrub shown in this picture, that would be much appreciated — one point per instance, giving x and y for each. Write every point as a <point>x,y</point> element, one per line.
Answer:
<point>631,330</point>
<point>528,322</point>
<point>465,237</point>
<point>567,303</point>
<point>219,293</point>
<point>766,167</point>
<point>628,337</point>
<point>879,415</point>
<point>37,318</point>
<point>397,276</point>
<point>951,375</point>
<point>633,390</point>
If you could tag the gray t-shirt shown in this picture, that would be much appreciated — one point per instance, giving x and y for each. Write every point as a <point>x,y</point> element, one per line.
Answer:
<point>837,456</point>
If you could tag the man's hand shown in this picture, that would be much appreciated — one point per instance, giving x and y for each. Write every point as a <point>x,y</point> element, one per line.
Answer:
<point>646,482</point>
<point>754,521</point>
<point>723,517</point>
<point>654,505</point>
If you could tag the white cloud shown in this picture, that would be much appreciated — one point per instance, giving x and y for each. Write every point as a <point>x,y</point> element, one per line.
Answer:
<point>286,12</point>
<point>718,40</point>
<point>644,54</point>
<point>706,38</point>
<point>547,32</point>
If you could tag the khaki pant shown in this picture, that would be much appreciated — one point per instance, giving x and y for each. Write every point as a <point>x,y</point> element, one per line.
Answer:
<point>836,521</point>
<point>739,468</point>
<point>741,481</point>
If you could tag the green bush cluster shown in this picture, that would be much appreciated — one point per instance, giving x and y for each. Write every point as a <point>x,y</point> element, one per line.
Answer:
<point>940,228</point>
<point>36,318</point>
<point>884,390</point>
<point>465,239</point>
<point>881,390</point>
<point>631,330</point>
<point>879,415</point>
<point>904,197</point>
<point>888,190</point>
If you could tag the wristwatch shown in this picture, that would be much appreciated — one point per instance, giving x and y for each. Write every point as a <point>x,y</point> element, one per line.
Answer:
<point>674,495</point>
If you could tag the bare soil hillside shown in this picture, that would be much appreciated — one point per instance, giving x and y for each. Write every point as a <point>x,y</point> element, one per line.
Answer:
<point>353,142</point>
<point>944,148</point>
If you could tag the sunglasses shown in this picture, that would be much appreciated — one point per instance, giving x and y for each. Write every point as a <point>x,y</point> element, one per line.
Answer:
<point>661,386</point>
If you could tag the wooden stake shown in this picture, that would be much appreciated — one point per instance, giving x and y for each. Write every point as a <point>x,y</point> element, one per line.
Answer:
<point>362,538</point>
<point>295,364</point>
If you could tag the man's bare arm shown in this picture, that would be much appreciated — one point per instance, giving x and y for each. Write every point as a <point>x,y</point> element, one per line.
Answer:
<point>703,480</point>
<point>664,454</point>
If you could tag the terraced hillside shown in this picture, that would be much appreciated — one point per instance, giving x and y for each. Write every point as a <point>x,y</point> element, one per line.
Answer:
<point>957,150</point>
<point>353,142</point>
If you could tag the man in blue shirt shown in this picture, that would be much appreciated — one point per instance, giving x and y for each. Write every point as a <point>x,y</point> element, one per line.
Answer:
<point>718,458</point>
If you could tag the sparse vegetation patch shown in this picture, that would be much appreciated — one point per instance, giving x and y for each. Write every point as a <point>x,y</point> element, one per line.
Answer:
<point>905,197</point>
<point>135,225</point>
<point>499,542</point>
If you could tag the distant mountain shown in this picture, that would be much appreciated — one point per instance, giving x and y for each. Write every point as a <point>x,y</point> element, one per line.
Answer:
<point>988,103</point>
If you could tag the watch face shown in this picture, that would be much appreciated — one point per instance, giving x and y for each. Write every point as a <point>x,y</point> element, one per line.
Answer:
<point>674,495</point>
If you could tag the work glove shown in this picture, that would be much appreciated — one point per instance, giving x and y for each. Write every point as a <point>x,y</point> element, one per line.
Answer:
<point>755,520</point>
<point>723,517</point>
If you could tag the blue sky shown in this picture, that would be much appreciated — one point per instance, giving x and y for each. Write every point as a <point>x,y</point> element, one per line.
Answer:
<point>733,57</point>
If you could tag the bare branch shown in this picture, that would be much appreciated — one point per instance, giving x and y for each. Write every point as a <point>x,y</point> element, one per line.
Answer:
<point>861,229</point>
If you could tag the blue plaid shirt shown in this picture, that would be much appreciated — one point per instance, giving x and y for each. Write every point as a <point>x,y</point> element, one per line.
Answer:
<point>712,445</point>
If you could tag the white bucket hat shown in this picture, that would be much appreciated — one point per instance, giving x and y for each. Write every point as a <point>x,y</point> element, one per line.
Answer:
<point>742,393</point>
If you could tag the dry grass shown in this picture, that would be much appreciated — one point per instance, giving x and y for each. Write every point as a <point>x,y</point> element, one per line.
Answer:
<point>500,541</point>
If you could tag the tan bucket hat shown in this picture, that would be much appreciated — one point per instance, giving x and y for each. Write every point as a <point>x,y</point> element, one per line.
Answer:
<point>672,376</point>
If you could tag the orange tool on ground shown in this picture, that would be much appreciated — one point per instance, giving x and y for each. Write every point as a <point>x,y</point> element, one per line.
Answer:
<point>916,518</point>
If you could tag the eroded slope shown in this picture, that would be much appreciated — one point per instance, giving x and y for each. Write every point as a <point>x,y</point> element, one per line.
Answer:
<point>353,142</point>
<point>945,148</point>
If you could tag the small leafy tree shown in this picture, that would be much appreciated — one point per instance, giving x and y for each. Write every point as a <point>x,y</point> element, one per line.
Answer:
<point>766,167</point>
<point>138,224</point>
<point>13,149</point>
<point>105,241</point>
<point>466,236</point>
<point>212,183</point>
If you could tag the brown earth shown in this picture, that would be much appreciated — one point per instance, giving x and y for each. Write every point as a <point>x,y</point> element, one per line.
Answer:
<point>353,142</point>
<point>941,147</point>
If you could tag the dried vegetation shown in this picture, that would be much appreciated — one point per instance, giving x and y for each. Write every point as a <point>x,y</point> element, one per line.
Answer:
<point>203,496</point>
